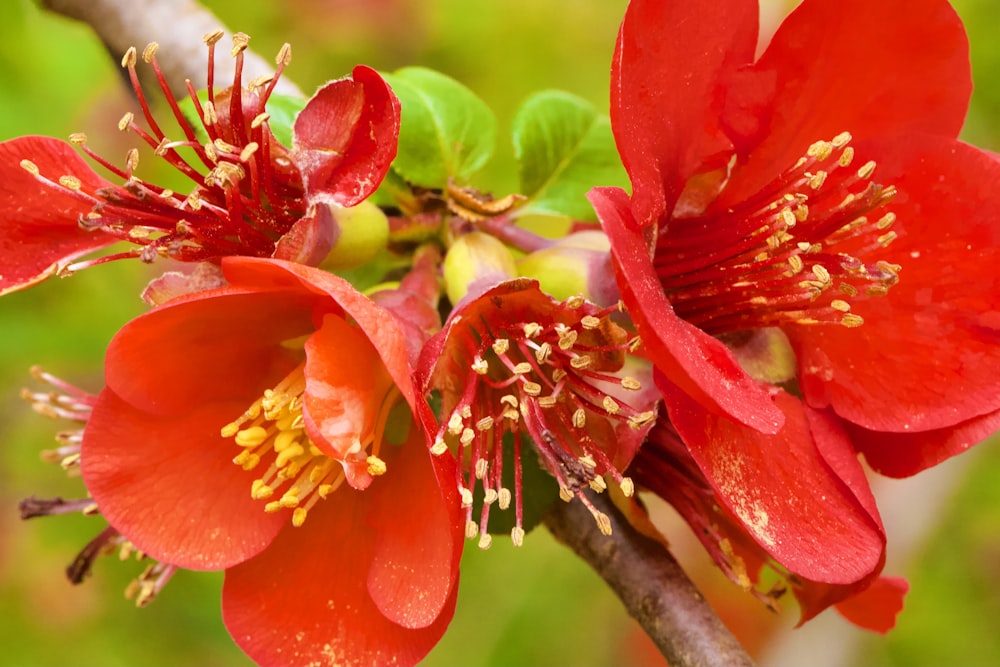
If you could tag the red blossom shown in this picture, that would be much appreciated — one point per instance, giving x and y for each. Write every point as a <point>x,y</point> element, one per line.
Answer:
<point>815,198</point>
<point>251,195</point>
<point>556,376</point>
<point>232,419</point>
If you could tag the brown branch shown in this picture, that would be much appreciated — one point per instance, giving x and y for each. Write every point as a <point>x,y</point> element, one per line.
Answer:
<point>651,584</point>
<point>177,25</point>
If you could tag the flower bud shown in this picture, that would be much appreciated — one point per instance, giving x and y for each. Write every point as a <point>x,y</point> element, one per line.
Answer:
<point>364,232</point>
<point>578,264</point>
<point>476,260</point>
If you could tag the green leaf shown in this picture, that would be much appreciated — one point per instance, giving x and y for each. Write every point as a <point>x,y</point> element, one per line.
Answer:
<point>540,489</point>
<point>283,110</point>
<point>445,132</point>
<point>564,148</point>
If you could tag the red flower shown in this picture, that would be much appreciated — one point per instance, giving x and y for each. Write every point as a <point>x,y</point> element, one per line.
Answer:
<point>251,194</point>
<point>555,376</point>
<point>807,222</point>
<point>303,384</point>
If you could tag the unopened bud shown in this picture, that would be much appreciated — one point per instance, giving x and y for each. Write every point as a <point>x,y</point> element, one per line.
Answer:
<point>575,265</point>
<point>476,260</point>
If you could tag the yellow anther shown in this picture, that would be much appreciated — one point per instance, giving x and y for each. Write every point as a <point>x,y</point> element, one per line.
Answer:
<point>532,329</point>
<point>126,121</point>
<point>471,530</point>
<point>788,217</point>
<point>490,496</point>
<point>439,447</point>
<point>866,170</point>
<point>886,239</point>
<point>820,150</point>
<point>579,418</point>
<point>466,497</point>
<point>240,42</point>
<point>543,353</point>
<point>532,388</point>
<point>78,138</point>
<point>817,180</point>
<point>482,467</point>
<point>822,275</point>
<point>642,419</point>
<point>587,461</point>
<point>248,437</point>
<point>128,60</point>
<point>598,484</point>
<point>376,466</point>
<point>796,263</point>
<point>29,167</point>
<point>284,54</point>
<point>466,412</point>
<point>503,498</point>
<point>517,536</point>
<point>581,362</point>
<point>801,213</point>
<point>547,401</point>
<point>509,400</point>
<point>132,158</point>
<point>71,182</point>
<point>611,405</point>
<point>886,221</point>
<point>468,435</point>
<point>248,151</point>
<point>575,301</point>
<point>299,516</point>
<point>846,157</point>
<point>630,383</point>
<point>288,454</point>
<point>558,374</point>
<point>849,290</point>
<point>565,494</point>
<point>568,339</point>
<point>455,423</point>
<point>284,440</point>
<point>627,486</point>
<point>149,52</point>
<point>842,140</point>
<point>850,320</point>
<point>212,37</point>
<point>840,305</point>
<point>484,424</point>
<point>480,367</point>
<point>522,368</point>
<point>259,120</point>
<point>603,522</point>
<point>590,322</point>
<point>224,147</point>
<point>485,541</point>
<point>211,117</point>
<point>500,346</point>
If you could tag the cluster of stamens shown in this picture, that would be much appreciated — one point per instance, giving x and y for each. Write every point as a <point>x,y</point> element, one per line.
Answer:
<point>543,382</point>
<point>272,431</point>
<point>64,401</point>
<point>249,197</point>
<point>791,253</point>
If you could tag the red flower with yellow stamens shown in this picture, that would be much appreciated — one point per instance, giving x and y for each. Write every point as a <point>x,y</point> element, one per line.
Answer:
<point>556,376</point>
<point>806,224</point>
<point>271,428</point>
<point>251,195</point>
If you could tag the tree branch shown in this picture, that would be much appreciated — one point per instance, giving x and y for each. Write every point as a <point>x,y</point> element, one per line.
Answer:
<point>651,584</point>
<point>177,25</point>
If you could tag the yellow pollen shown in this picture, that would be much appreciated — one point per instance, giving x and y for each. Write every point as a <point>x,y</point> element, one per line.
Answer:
<point>29,167</point>
<point>850,320</point>
<point>849,290</point>
<point>284,54</point>
<point>471,530</point>
<point>149,52</point>
<point>886,239</point>
<point>490,496</point>
<point>867,170</point>
<point>642,419</point>
<point>590,322</point>
<point>522,368</point>
<point>841,140</point>
<point>500,346</point>
<point>820,150</point>
<point>78,138</point>
<point>598,484</point>
<point>259,120</point>
<point>132,159</point>
<point>846,157</point>
<point>796,263</point>
<point>211,117</point>
<point>480,367</point>
<point>532,388</point>
<point>128,60</point>
<point>532,329</point>
<point>581,362</point>
<point>466,497</point>
<point>240,42</point>
<point>565,494</point>
<point>482,467</point>
<point>631,383</point>
<point>126,121</point>
<point>611,405</point>
<point>484,424</point>
<point>376,466</point>
<point>543,353</point>
<point>455,423</point>
<point>503,498</point>
<point>579,418</point>
<point>248,151</point>
<point>841,305</point>
<point>886,221</point>
<point>249,437</point>
<point>817,180</point>
<point>468,435</point>
<point>71,182</point>
<point>788,217</point>
<point>588,461</point>
<point>603,522</point>
<point>485,541</point>
<point>558,374</point>
<point>568,339</point>
<point>517,536</point>
<point>575,301</point>
<point>212,37</point>
<point>821,273</point>
<point>627,486</point>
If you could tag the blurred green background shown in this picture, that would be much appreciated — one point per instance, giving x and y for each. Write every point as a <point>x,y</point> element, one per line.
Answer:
<point>538,605</point>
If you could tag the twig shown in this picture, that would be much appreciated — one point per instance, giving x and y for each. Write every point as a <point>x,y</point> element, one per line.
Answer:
<point>177,25</point>
<point>651,584</point>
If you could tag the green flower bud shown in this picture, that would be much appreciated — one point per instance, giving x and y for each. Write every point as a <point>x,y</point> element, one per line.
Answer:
<point>476,259</point>
<point>362,232</point>
<point>574,265</point>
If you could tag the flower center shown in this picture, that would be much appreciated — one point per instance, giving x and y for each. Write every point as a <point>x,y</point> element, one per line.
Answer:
<point>272,432</point>
<point>552,383</point>
<point>246,194</point>
<point>789,254</point>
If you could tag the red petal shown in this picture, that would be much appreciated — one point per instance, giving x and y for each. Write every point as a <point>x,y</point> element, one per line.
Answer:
<point>869,68</point>
<point>691,359</point>
<point>39,231</point>
<point>308,599</point>
<point>905,454</point>
<point>211,346</point>
<point>378,325</point>
<point>346,386</point>
<point>927,355</point>
<point>668,61</point>
<point>169,485</point>
<point>876,607</point>
<point>419,537</point>
<point>345,137</point>
<point>784,489</point>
